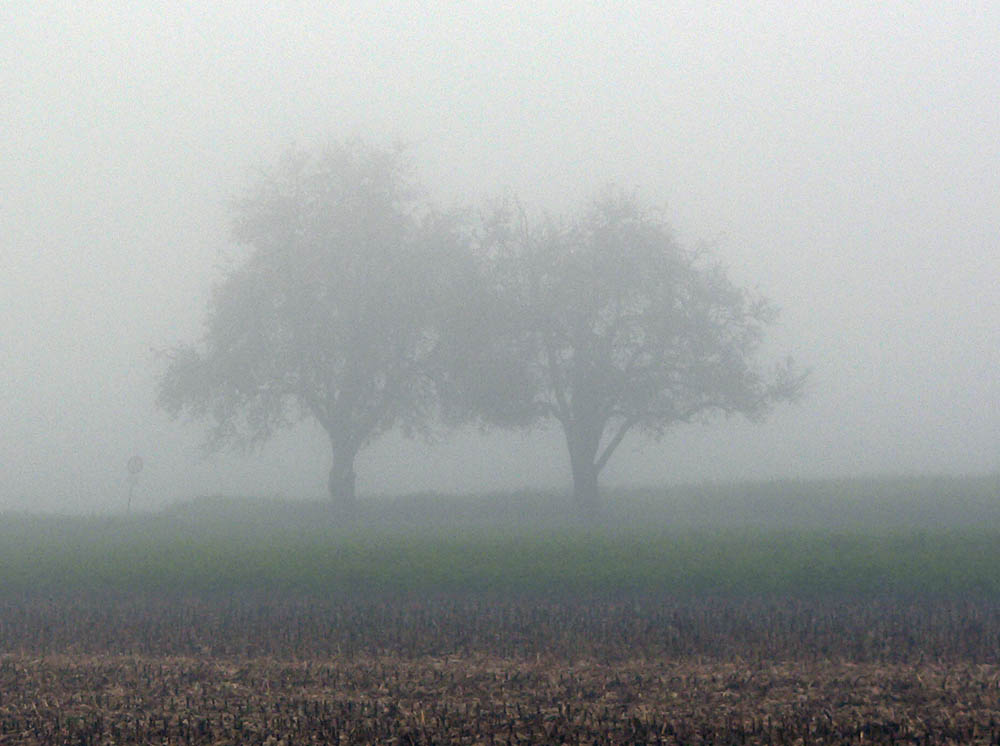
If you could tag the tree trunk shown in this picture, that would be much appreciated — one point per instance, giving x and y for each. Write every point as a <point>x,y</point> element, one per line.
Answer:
<point>582,451</point>
<point>586,493</point>
<point>342,479</point>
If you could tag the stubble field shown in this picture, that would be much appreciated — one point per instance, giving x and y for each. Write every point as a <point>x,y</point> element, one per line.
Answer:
<point>446,670</point>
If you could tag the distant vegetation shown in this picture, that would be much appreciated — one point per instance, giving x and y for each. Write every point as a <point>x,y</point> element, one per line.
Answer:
<point>840,537</point>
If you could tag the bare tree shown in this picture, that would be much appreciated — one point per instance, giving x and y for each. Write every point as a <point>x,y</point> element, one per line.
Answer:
<point>607,326</point>
<point>328,316</point>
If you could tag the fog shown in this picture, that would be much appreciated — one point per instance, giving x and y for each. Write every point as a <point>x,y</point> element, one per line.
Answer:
<point>844,162</point>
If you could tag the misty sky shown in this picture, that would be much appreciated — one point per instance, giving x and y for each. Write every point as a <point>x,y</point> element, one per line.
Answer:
<point>843,158</point>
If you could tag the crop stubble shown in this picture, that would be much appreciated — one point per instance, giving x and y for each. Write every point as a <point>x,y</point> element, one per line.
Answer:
<point>458,671</point>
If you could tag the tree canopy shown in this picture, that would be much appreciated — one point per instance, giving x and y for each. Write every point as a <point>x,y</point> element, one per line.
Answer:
<point>328,315</point>
<point>607,326</point>
<point>358,305</point>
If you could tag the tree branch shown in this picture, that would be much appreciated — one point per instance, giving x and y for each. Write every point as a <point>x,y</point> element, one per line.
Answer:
<point>556,382</point>
<point>613,444</point>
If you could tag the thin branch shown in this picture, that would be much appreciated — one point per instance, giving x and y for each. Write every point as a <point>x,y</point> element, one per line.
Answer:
<point>556,382</point>
<point>613,444</point>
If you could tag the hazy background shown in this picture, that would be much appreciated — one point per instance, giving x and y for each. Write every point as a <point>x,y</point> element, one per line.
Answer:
<point>845,161</point>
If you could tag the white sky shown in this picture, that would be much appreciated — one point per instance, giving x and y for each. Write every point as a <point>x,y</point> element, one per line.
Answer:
<point>843,160</point>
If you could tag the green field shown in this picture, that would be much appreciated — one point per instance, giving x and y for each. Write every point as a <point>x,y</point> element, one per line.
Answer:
<point>902,537</point>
